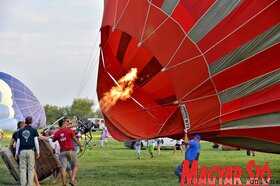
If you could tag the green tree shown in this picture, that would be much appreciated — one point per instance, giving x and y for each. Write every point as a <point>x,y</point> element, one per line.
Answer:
<point>54,112</point>
<point>82,107</point>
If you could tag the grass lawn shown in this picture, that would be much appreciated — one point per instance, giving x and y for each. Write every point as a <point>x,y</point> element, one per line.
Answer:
<point>117,165</point>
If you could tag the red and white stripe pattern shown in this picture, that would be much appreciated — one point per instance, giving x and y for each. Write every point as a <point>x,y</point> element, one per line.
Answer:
<point>218,58</point>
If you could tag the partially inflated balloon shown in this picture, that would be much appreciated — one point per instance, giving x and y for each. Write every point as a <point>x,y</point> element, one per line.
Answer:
<point>18,102</point>
<point>210,66</point>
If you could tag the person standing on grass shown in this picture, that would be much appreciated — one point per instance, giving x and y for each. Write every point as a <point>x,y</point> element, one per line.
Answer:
<point>1,137</point>
<point>249,152</point>
<point>178,145</point>
<point>20,125</point>
<point>138,148</point>
<point>191,154</point>
<point>27,142</point>
<point>72,124</point>
<point>104,137</point>
<point>158,145</point>
<point>65,137</point>
<point>101,139</point>
<point>151,147</point>
<point>56,150</point>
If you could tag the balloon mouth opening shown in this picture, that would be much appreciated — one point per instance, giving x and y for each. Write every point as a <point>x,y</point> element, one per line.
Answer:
<point>121,91</point>
<point>126,52</point>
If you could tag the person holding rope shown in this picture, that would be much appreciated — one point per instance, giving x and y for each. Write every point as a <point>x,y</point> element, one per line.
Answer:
<point>65,137</point>
<point>191,154</point>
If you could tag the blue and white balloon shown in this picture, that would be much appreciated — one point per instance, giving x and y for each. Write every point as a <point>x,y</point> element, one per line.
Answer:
<point>18,102</point>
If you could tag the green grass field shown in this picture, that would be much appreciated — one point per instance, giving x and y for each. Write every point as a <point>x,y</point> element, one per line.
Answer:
<point>117,165</point>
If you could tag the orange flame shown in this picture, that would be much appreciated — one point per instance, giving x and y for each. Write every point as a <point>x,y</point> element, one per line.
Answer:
<point>123,91</point>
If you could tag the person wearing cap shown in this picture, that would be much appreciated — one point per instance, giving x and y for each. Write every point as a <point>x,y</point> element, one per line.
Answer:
<point>65,137</point>
<point>192,153</point>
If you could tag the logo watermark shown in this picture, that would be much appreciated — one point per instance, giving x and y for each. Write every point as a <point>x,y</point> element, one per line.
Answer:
<point>226,175</point>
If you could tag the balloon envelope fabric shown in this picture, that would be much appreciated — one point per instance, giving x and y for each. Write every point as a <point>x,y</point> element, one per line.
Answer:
<point>18,102</point>
<point>210,66</point>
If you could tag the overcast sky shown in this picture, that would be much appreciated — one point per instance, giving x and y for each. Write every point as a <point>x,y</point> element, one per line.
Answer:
<point>48,46</point>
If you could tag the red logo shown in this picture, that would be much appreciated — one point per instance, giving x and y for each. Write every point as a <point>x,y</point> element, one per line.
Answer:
<point>225,175</point>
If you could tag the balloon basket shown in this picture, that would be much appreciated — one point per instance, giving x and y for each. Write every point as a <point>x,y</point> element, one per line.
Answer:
<point>46,164</point>
<point>8,158</point>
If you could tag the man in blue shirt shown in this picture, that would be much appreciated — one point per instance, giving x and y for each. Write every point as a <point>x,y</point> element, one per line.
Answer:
<point>192,153</point>
<point>193,150</point>
<point>27,141</point>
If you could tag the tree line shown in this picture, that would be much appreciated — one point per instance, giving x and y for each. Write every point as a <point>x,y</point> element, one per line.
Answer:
<point>82,107</point>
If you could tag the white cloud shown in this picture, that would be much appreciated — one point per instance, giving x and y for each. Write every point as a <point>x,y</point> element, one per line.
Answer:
<point>47,44</point>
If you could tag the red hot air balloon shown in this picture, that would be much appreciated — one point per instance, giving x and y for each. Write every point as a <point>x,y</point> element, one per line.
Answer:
<point>210,66</point>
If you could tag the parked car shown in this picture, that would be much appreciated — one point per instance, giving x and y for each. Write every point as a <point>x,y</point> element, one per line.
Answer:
<point>165,143</point>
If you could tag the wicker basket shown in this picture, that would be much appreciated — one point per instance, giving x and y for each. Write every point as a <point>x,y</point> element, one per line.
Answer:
<point>45,165</point>
<point>48,161</point>
<point>9,159</point>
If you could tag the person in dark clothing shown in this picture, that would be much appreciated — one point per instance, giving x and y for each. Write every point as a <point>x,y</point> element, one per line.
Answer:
<point>215,146</point>
<point>27,142</point>
<point>249,152</point>
<point>20,125</point>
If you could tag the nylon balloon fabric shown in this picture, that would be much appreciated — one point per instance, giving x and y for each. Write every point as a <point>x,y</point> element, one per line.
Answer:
<point>18,102</point>
<point>210,66</point>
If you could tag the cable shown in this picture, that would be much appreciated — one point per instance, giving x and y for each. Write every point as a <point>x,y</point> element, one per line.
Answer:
<point>91,69</point>
<point>87,71</point>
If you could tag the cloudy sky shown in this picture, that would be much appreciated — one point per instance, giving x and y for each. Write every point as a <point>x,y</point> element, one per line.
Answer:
<point>51,46</point>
